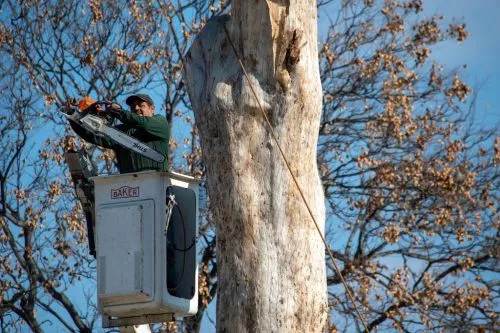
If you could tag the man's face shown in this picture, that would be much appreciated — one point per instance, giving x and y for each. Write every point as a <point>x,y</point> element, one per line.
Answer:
<point>142,108</point>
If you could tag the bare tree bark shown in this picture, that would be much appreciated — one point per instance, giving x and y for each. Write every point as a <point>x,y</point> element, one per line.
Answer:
<point>270,258</point>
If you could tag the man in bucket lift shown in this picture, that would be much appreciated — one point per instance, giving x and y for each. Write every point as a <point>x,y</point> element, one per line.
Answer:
<point>141,124</point>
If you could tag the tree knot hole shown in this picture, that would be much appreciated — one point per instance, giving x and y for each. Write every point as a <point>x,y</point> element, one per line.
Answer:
<point>292,56</point>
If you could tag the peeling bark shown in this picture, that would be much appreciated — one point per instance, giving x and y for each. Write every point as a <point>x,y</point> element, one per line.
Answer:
<point>271,267</point>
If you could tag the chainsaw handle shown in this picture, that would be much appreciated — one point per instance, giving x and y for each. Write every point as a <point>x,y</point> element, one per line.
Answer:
<point>73,112</point>
<point>112,107</point>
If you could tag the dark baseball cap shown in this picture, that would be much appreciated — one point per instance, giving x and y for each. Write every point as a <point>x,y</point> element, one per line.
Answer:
<point>140,97</point>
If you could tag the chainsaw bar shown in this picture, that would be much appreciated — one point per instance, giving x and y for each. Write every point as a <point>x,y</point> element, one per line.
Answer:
<point>97,126</point>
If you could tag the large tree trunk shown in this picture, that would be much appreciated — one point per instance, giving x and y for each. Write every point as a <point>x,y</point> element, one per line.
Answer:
<point>270,258</point>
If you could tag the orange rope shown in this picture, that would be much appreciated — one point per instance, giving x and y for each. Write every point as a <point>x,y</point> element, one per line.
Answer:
<point>349,293</point>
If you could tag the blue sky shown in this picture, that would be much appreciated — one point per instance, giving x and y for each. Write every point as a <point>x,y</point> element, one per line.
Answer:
<point>480,51</point>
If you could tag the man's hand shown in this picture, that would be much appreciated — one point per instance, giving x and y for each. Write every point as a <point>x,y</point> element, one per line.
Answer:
<point>113,108</point>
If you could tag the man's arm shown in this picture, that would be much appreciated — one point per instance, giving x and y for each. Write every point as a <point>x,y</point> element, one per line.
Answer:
<point>156,125</point>
<point>90,137</point>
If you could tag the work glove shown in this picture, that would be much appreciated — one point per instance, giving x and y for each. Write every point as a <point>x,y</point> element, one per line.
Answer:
<point>113,108</point>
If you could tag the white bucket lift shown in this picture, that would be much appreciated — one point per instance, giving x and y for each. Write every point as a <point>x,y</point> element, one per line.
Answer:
<point>145,274</point>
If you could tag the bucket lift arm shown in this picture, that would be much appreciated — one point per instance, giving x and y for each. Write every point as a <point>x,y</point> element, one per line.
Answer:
<point>136,329</point>
<point>81,169</point>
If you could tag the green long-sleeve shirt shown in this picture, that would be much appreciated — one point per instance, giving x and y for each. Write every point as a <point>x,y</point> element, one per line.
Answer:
<point>153,131</point>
